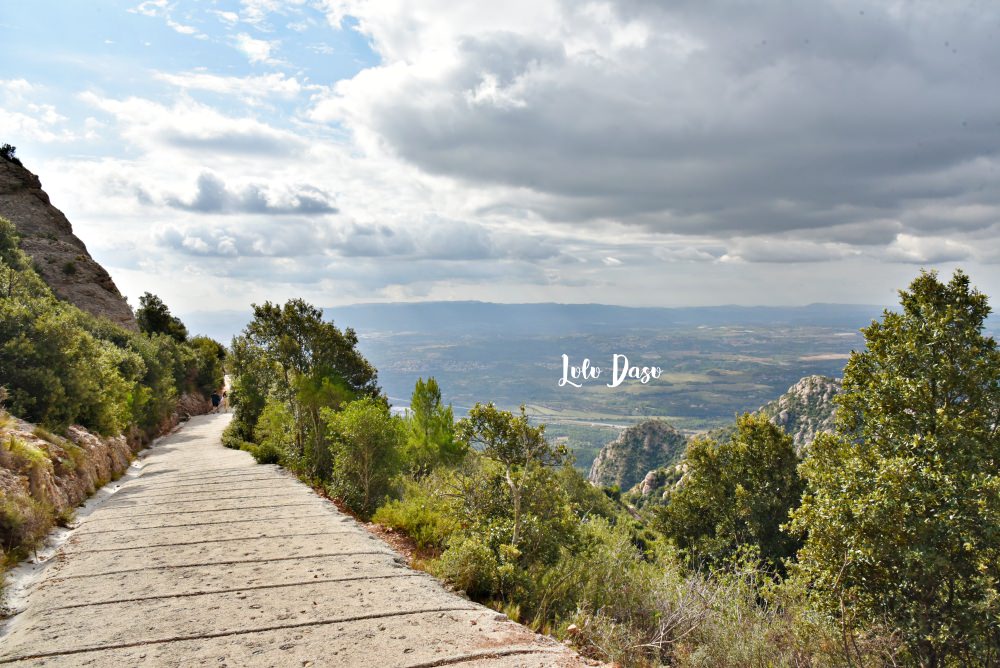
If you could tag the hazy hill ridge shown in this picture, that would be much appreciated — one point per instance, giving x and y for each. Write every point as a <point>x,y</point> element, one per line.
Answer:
<point>60,257</point>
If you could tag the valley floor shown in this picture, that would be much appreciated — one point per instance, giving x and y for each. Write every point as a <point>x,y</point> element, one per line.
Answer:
<point>207,558</point>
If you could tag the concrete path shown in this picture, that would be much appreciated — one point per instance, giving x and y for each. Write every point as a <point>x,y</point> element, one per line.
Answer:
<point>208,559</point>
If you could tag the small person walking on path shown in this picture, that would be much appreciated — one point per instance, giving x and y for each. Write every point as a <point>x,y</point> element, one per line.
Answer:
<point>216,400</point>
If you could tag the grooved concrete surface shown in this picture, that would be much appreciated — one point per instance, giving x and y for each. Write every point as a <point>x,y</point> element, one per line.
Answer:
<point>208,559</point>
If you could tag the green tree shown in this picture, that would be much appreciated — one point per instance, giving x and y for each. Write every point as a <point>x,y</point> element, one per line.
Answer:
<point>7,152</point>
<point>253,376</point>
<point>207,374</point>
<point>514,444</point>
<point>430,429</point>
<point>365,444</point>
<point>154,317</point>
<point>290,352</point>
<point>736,494</point>
<point>902,509</point>
<point>17,279</point>
<point>300,341</point>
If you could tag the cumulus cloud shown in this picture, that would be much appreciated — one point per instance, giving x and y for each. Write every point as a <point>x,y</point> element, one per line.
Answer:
<point>151,8</point>
<point>928,250</point>
<point>252,88</point>
<point>256,50</point>
<point>193,126</point>
<point>213,196</point>
<point>689,118</point>
<point>783,251</point>
<point>427,242</point>
<point>543,149</point>
<point>289,239</point>
<point>21,115</point>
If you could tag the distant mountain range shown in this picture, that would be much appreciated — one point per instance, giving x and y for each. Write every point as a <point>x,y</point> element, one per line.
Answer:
<point>474,318</point>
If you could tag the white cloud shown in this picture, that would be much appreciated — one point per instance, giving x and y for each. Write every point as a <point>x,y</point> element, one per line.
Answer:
<point>250,88</point>
<point>16,88</point>
<point>227,17</point>
<point>182,28</point>
<point>256,50</point>
<point>152,8</point>
<point>257,12</point>
<point>774,250</point>
<point>22,117</point>
<point>188,126</point>
<point>928,250</point>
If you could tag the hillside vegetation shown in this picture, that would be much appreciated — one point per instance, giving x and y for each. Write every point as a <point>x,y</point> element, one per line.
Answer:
<point>87,392</point>
<point>875,546</point>
<point>58,256</point>
<point>804,412</point>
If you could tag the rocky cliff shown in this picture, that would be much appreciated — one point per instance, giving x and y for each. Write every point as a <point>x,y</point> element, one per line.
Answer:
<point>59,256</point>
<point>806,410</point>
<point>637,450</point>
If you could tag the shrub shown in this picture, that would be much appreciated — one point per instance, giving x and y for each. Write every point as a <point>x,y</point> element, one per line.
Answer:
<point>469,565</point>
<point>26,459</point>
<point>423,512</point>
<point>24,522</point>
<point>266,453</point>
<point>7,153</point>
<point>275,430</point>
<point>232,440</point>
<point>364,449</point>
<point>736,493</point>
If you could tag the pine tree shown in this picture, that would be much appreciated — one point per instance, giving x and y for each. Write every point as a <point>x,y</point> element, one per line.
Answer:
<point>431,429</point>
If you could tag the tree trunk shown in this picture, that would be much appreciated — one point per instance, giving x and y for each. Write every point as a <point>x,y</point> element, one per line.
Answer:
<point>515,493</point>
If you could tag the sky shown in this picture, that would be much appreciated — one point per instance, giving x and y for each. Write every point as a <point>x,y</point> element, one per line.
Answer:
<point>626,152</point>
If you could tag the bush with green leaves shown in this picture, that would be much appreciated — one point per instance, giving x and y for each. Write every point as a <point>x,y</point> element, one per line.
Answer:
<point>24,519</point>
<point>62,366</point>
<point>365,443</point>
<point>469,564</point>
<point>426,510</point>
<point>24,522</point>
<point>508,502</point>
<point>735,494</point>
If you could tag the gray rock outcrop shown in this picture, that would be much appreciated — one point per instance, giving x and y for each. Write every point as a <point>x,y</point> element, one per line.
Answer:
<point>637,450</point>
